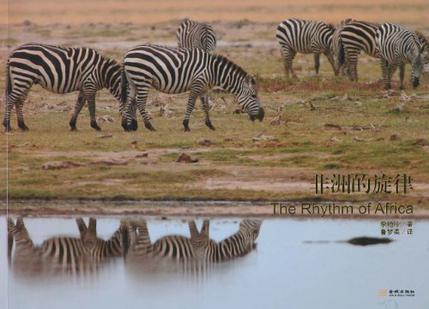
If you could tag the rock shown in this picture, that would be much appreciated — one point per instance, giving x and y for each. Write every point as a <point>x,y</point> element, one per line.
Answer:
<point>395,137</point>
<point>421,142</point>
<point>185,158</point>
<point>205,142</point>
<point>142,155</point>
<point>26,23</point>
<point>56,165</point>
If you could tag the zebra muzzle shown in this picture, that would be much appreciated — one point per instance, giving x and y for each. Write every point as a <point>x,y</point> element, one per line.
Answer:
<point>261,114</point>
<point>416,82</point>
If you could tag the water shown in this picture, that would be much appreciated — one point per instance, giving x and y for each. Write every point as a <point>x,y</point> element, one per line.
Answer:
<point>297,264</point>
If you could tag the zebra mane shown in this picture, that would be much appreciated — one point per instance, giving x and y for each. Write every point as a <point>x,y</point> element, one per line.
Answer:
<point>234,66</point>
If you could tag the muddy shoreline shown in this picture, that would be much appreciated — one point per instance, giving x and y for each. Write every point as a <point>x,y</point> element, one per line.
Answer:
<point>174,208</point>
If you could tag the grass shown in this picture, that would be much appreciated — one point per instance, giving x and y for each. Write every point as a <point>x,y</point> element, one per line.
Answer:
<point>329,125</point>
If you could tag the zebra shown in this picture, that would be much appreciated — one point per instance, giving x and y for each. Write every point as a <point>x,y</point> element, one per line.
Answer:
<point>199,247</point>
<point>192,34</point>
<point>397,45</point>
<point>303,36</point>
<point>352,38</point>
<point>62,253</point>
<point>237,245</point>
<point>174,247</point>
<point>59,70</point>
<point>177,70</point>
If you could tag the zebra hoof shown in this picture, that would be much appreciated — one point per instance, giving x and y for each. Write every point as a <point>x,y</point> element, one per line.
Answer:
<point>95,126</point>
<point>22,126</point>
<point>149,126</point>
<point>210,126</point>
<point>134,125</point>
<point>186,125</point>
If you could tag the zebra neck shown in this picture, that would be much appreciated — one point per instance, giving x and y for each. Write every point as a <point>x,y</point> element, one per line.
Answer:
<point>228,76</point>
<point>112,78</point>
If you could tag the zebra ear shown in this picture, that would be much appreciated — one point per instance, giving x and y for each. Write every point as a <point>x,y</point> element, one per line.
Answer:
<point>193,229</point>
<point>205,229</point>
<point>81,225</point>
<point>92,226</point>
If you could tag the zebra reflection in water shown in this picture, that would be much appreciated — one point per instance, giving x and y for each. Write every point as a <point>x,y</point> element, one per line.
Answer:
<point>195,254</point>
<point>63,254</point>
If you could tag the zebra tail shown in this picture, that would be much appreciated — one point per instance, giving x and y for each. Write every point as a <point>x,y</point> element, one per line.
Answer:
<point>341,55</point>
<point>124,87</point>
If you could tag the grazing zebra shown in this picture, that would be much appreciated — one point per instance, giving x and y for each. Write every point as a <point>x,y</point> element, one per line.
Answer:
<point>59,70</point>
<point>65,254</point>
<point>192,34</point>
<point>302,36</point>
<point>199,247</point>
<point>398,46</point>
<point>352,38</point>
<point>172,70</point>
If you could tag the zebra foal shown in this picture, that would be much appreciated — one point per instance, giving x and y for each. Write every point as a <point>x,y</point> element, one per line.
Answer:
<point>303,36</point>
<point>397,46</point>
<point>177,70</point>
<point>59,70</point>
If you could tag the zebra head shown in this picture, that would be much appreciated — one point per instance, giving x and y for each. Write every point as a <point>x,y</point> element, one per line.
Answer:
<point>336,45</point>
<point>417,66</point>
<point>252,227</point>
<point>248,99</point>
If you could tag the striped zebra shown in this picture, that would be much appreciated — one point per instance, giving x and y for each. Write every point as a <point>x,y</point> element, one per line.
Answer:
<point>237,245</point>
<point>175,247</point>
<point>59,70</point>
<point>199,247</point>
<point>303,36</point>
<point>65,254</point>
<point>353,38</point>
<point>397,46</point>
<point>172,70</point>
<point>192,34</point>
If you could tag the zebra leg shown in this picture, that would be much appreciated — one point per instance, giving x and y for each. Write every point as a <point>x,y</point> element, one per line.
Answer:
<point>20,115</point>
<point>7,110</point>
<point>288,63</point>
<point>206,108</point>
<point>331,61</point>
<point>385,74</point>
<point>77,108</point>
<point>10,231</point>
<point>133,114</point>
<point>317,63</point>
<point>189,108</point>
<point>91,108</point>
<point>141,99</point>
<point>401,75</point>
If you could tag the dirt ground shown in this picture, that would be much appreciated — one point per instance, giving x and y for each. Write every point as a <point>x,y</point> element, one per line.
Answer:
<point>317,124</point>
